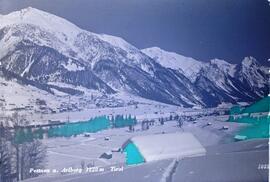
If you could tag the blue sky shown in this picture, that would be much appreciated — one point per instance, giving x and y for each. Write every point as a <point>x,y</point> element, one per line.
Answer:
<point>202,29</point>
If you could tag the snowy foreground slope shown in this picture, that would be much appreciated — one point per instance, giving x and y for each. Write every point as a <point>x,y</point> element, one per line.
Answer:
<point>219,168</point>
<point>42,50</point>
<point>224,162</point>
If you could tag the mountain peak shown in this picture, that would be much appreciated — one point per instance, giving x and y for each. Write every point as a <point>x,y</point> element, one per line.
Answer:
<point>39,18</point>
<point>29,9</point>
<point>157,49</point>
<point>189,66</point>
<point>24,13</point>
<point>220,63</point>
<point>249,61</point>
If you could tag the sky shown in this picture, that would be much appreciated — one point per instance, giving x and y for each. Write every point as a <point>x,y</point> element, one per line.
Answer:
<point>202,29</point>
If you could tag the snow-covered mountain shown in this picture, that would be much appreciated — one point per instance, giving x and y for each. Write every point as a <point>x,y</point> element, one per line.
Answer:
<point>47,52</point>
<point>186,65</point>
<point>48,49</point>
<point>217,80</point>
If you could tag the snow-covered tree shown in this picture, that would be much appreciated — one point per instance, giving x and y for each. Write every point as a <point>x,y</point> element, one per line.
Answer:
<point>33,155</point>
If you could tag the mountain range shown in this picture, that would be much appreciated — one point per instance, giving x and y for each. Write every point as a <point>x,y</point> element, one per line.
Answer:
<point>47,52</point>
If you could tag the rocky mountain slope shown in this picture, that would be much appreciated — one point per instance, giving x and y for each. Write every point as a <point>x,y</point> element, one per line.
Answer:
<point>217,80</point>
<point>48,51</point>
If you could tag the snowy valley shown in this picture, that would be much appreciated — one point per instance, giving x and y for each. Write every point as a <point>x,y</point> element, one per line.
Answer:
<point>57,78</point>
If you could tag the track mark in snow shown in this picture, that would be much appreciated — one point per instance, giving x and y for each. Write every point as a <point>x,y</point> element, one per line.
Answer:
<point>169,171</point>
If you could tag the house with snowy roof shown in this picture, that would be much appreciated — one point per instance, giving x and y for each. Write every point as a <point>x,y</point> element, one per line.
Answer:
<point>140,149</point>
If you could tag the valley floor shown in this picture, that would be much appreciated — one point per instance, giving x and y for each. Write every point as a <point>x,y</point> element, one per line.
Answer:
<point>64,153</point>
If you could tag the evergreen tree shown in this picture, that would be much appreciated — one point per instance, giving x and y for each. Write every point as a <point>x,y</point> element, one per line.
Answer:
<point>29,135</point>
<point>39,133</point>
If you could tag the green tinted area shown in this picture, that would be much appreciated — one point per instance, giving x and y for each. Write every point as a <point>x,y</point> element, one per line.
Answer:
<point>28,134</point>
<point>119,121</point>
<point>260,106</point>
<point>133,155</point>
<point>257,130</point>
<point>70,129</point>
<point>257,115</point>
